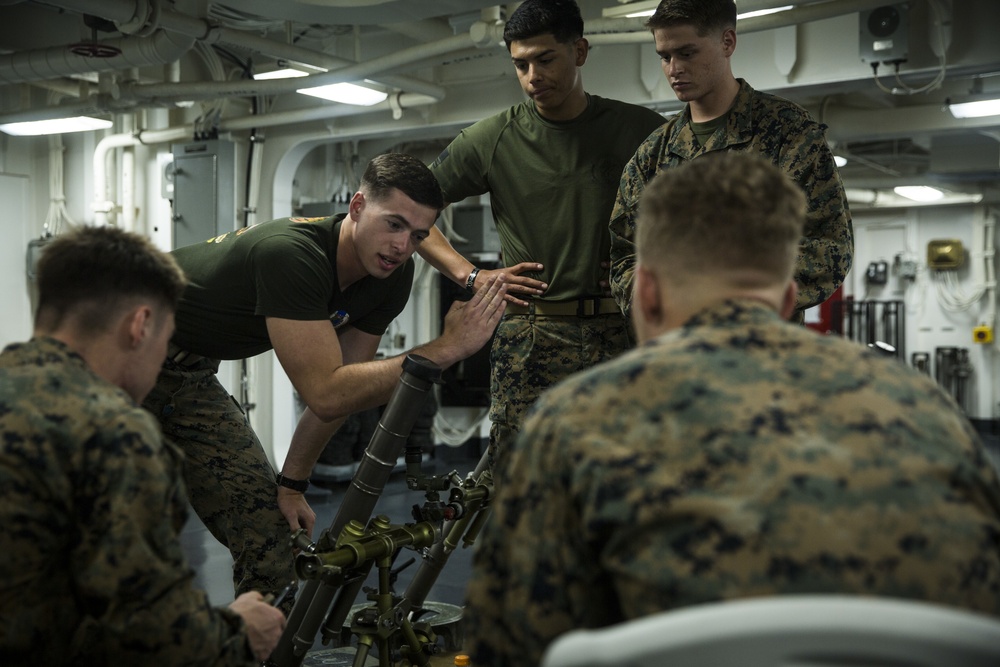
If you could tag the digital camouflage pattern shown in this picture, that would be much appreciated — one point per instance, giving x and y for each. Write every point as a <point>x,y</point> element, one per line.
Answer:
<point>231,483</point>
<point>778,131</point>
<point>736,456</point>
<point>552,186</point>
<point>530,353</point>
<point>92,505</point>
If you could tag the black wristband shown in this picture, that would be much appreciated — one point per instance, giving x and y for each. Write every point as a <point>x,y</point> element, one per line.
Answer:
<point>299,485</point>
<point>470,283</point>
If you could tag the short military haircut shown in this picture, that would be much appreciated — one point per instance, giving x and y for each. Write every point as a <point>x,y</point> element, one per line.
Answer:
<point>560,18</point>
<point>707,16</point>
<point>404,173</point>
<point>95,272</point>
<point>726,211</point>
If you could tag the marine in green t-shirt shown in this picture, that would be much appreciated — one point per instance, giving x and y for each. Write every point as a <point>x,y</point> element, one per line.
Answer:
<point>320,293</point>
<point>551,166</point>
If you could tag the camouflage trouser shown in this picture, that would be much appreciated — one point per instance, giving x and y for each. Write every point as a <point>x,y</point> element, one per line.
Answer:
<point>230,482</point>
<point>532,352</point>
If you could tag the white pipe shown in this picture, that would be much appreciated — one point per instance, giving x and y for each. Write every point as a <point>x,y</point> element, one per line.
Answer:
<point>631,31</point>
<point>253,186</point>
<point>122,11</point>
<point>196,91</point>
<point>404,100</point>
<point>128,179</point>
<point>102,205</point>
<point>59,61</point>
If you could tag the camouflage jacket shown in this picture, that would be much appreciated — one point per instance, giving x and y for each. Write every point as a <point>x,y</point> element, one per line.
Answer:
<point>779,131</point>
<point>92,503</point>
<point>736,456</point>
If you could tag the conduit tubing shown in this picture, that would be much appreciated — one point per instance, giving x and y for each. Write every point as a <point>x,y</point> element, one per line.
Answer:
<point>198,91</point>
<point>122,11</point>
<point>53,63</point>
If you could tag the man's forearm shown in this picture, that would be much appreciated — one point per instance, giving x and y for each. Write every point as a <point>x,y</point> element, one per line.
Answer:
<point>439,253</point>
<point>308,442</point>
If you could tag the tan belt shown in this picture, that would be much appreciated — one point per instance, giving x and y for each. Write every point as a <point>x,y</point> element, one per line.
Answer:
<point>585,307</point>
<point>182,357</point>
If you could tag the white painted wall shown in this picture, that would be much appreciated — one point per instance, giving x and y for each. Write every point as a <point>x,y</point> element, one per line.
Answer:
<point>882,235</point>
<point>15,308</point>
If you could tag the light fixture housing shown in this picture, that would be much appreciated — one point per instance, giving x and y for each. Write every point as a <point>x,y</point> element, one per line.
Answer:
<point>34,128</point>
<point>974,108</point>
<point>908,196</point>
<point>287,69</point>
<point>921,193</point>
<point>631,10</point>
<point>282,73</point>
<point>643,8</point>
<point>347,93</point>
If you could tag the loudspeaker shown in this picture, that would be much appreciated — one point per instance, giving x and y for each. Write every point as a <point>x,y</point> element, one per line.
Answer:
<point>884,33</point>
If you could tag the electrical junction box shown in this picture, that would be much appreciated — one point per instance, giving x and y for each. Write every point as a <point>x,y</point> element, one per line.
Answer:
<point>877,273</point>
<point>982,334</point>
<point>204,190</point>
<point>884,34</point>
<point>943,254</point>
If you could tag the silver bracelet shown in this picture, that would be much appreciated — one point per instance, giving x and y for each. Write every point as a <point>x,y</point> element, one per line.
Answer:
<point>470,282</point>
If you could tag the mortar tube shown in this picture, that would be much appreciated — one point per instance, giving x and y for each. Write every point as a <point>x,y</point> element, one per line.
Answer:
<point>400,414</point>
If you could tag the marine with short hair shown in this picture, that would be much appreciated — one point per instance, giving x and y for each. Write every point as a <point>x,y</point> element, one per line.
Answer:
<point>91,497</point>
<point>695,40</point>
<point>733,453</point>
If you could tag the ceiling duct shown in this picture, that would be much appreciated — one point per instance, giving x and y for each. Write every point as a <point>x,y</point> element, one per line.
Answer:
<point>965,157</point>
<point>52,63</point>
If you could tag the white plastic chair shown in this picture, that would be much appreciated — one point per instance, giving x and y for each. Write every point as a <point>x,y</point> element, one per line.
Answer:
<point>790,631</point>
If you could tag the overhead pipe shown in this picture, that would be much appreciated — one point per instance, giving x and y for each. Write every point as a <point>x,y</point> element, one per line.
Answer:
<point>607,34</point>
<point>198,91</point>
<point>56,62</point>
<point>124,11</point>
<point>102,205</point>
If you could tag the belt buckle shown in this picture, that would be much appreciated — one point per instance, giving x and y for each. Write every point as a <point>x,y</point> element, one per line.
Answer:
<point>581,311</point>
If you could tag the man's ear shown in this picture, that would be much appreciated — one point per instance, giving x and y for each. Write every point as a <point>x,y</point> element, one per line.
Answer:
<point>581,48</point>
<point>357,205</point>
<point>647,299</point>
<point>139,325</point>
<point>729,41</point>
<point>788,300</point>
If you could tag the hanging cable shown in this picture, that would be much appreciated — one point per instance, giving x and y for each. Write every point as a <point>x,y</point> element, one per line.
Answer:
<point>943,24</point>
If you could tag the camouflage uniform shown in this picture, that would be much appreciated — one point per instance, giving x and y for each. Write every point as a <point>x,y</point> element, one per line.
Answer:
<point>531,353</point>
<point>228,476</point>
<point>551,186</point>
<point>737,456</point>
<point>777,130</point>
<point>283,268</point>
<point>92,504</point>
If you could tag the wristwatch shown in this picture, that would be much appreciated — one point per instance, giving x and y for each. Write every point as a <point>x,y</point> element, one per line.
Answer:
<point>299,485</point>
<point>470,282</point>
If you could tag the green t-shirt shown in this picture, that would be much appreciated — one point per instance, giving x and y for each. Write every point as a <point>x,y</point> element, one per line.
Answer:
<point>552,185</point>
<point>283,268</point>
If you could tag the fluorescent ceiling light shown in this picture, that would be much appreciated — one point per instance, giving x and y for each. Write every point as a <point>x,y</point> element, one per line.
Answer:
<point>976,109</point>
<point>839,160</point>
<point>644,8</point>
<point>283,73</point>
<point>763,12</point>
<point>34,128</point>
<point>347,93</point>
<point>631,10</point>
<point>918,192</point>
<point>863,198</point>
<point>287,69</point>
